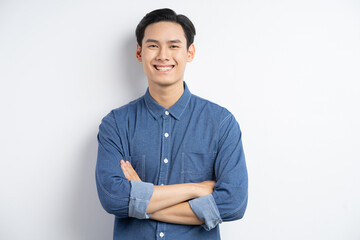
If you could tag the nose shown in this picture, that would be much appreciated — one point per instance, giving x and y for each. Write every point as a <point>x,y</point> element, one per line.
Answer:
<point>163,54</point>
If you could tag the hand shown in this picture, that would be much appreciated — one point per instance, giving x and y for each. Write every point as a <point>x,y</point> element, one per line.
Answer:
<point>205,188</point>
<point>129,171</point>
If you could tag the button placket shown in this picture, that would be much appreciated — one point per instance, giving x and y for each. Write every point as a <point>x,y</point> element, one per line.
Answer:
<point>165,148</point>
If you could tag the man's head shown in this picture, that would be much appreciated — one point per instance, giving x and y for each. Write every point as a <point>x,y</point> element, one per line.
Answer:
<point>167,15</point>
<point>165,45</point>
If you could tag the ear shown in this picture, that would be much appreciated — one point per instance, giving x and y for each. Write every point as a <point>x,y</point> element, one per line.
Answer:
<point>191,53</point>
<point>138,53</point>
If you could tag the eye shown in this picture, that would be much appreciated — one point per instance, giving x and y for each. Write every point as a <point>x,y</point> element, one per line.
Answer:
<point>174,46</point>
<point>152,46</point>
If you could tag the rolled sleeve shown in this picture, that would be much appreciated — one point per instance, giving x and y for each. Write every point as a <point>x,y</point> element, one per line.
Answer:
<point>140,196</point>
<point>205,209</point>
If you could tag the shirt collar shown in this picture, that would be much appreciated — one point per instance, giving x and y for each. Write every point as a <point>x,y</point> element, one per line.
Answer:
<point>176,110</point>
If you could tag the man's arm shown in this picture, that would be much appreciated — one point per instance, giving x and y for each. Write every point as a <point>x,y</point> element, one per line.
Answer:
<point>229,199</point>
<point>166,196</point>
<point>179,214</point>
<point>125,198</point>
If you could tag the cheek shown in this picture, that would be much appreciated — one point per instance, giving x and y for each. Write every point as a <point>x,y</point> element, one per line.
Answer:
<point>147,68</point>
<point>147,55</point>
<point>145,65</point>
<point>180,63</point>
<point>181,58</point>
<point>146,61</point>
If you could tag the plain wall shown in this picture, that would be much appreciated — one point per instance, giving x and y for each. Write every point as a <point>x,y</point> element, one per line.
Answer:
<point>288,70</point>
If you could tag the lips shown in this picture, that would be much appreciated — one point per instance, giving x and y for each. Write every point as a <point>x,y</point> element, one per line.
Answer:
<point>164,68</point>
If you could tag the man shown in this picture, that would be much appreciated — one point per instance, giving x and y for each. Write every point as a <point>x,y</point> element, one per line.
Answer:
<point>170,164</point>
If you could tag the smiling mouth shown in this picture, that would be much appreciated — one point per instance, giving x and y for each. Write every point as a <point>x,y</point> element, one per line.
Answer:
<point>166,68</point>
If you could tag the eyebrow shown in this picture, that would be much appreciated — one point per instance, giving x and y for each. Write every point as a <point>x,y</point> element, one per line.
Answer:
<point>157,41</point>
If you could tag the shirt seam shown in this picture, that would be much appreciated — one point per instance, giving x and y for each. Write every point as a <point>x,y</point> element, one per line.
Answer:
<point>185,106</point>
<point>214,208</point>
<point>106,192</point>
<point>228,116</point>
<point>139,199</point>
<point>218,133</point>
<point>235,211</point>
<point>117,127</point>
<point>147,106</point>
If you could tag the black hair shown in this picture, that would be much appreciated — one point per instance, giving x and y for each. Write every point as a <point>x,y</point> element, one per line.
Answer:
<point>168,15</point>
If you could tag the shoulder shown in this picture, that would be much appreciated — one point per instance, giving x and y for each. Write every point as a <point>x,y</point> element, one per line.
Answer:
<point>122,113</point>
<point>217,112</point>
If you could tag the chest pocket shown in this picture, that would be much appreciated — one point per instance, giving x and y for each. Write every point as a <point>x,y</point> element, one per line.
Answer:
<point>138,163</point>
<point>197,167</point>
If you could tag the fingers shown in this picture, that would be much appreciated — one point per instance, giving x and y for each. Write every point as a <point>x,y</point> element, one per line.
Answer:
<point>124,169</point>
<point>129,171</point>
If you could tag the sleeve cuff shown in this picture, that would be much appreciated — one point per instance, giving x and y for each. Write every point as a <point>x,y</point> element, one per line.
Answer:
<point>140,195</point>
<point>205,208</point>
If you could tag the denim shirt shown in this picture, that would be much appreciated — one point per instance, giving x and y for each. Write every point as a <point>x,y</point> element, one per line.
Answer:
<point>193,141</point>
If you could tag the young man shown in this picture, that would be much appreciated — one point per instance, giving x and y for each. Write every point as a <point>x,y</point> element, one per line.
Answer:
<point>170,164</point>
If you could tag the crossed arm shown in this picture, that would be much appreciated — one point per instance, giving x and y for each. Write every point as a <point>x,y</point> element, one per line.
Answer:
<point>169,203</point>
<point>204,203</point>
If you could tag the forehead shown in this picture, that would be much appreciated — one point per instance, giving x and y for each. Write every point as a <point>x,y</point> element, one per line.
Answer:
<point>164,31</point>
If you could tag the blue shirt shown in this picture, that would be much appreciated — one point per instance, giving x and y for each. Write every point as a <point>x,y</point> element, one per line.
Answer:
<point>193,141</point>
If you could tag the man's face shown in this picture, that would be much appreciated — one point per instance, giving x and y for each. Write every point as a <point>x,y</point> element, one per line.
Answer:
<point>164,53</point>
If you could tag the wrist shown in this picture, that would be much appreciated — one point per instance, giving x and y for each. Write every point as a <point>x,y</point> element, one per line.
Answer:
<point>195,189</point>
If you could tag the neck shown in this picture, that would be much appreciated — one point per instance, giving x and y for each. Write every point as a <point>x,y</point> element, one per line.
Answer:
<point>166,96</point>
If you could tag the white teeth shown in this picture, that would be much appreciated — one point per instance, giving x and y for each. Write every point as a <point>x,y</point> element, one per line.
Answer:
<point>163,68</point>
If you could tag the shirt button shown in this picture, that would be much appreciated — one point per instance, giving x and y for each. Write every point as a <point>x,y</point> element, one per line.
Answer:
<point>166,160</point>
<point>166,113</point>
<point>166,135</point>
<point>162,234</point>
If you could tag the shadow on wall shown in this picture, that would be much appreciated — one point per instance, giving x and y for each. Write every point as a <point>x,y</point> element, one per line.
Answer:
<point>87,220</point>
<point>134,80</point>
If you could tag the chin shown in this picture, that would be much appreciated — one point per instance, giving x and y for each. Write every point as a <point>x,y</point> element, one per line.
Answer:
<point>164,82</point>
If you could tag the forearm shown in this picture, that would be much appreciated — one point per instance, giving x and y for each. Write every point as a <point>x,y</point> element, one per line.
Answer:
<point>165,196</point>
<point>179,214</point>
<point>169,195</point>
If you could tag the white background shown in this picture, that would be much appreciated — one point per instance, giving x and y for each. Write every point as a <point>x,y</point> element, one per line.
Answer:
<point>288,70</point>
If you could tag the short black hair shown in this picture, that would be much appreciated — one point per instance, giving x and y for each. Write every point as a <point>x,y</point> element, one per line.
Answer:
<point>168,15</point>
